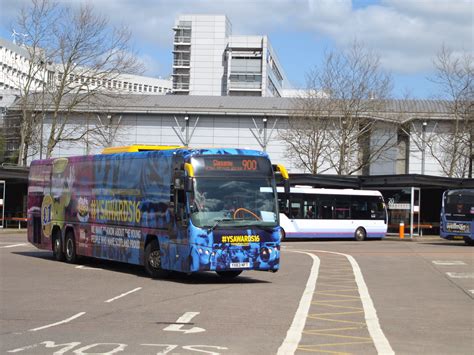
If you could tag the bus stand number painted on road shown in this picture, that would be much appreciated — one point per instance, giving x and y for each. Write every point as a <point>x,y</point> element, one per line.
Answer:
<point>113,348</point>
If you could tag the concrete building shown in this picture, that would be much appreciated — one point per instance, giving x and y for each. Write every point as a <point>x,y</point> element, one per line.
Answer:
<point>258,123</point>
<point>208,60</point>
<point>15,74</point>
<point>15,68</point>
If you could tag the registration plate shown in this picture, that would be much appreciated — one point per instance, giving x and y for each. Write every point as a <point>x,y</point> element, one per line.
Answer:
<point>458,237</point>
<point>239,265</point>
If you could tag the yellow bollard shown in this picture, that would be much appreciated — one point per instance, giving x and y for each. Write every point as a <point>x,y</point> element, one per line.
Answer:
<point>401,231</point>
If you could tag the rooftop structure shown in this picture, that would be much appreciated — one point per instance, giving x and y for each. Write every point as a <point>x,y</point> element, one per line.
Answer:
<point>209,60</point>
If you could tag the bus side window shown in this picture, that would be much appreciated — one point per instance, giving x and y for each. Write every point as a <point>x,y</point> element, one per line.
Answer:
<point>296,210</point>
<point>325,210</point>
<point>359,208</point>
<point>342,207</point>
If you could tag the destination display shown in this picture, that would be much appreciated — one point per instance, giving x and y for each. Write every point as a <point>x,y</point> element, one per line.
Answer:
<point>218,165</point>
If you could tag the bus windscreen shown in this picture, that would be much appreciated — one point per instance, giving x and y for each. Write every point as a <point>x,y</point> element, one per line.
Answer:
<point>459,206</point>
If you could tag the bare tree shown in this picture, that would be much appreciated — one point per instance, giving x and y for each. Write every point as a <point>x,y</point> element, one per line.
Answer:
<point>33,25</point>
<point>82,58</point>
<point>452,147</point>
<point>107,131</point>
<point>351,87</point>
<point>306,134</point>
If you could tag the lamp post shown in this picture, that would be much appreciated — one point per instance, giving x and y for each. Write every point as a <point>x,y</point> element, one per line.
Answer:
<point>186,120</point>
<point>423,147</point>
<point>265,122</point>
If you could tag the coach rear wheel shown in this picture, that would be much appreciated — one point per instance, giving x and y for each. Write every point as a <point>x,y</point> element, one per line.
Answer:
<point>360,234</point>
<point>71,256</point>
<point>229,274</point>
<point>58,253</point>
<point>153,260</point>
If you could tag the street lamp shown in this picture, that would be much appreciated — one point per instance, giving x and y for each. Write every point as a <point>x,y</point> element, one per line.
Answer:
<point>423,147</point>
<point>265,121</point>
<point>186,120</point>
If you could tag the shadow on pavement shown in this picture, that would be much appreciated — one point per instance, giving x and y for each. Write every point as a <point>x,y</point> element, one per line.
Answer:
<point>173,276</point>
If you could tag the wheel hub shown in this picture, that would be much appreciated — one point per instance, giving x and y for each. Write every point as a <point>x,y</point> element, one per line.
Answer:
<point>154,259</point>
<point>69,248</point>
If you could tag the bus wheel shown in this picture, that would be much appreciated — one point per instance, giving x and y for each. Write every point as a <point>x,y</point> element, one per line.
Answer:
<point>71,256</point>
<point>229,274</point>
<point>58,246</point>
<point>469,241</point>
<point>153,260</point>
<point>360,234</point>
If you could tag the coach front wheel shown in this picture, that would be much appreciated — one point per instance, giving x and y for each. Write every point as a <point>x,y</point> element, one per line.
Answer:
<point>71,256</point>
<point>153,260</point>
<point>360,234</point>
<point>469,241</point>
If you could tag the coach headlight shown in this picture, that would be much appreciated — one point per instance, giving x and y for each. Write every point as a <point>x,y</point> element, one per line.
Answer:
<point>265,254</point>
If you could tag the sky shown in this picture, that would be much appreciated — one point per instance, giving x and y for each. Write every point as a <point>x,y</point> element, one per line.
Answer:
<point>406,34</point>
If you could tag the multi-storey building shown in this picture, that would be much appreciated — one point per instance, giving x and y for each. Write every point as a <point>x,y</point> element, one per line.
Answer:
<point>15,69</point>
<point>209,60</point>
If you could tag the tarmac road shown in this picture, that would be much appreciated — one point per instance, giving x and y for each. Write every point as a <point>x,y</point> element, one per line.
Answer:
<point>389,296</point>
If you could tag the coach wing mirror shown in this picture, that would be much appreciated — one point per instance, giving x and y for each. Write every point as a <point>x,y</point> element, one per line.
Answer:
<point>189,177</point>
<point>284,177</point>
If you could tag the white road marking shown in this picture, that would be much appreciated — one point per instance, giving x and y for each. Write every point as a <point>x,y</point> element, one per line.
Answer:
<point>123,295</point>
<point>471,291</point>
<point>185,318</point>
<point>58,323</point>
<point>373,326</point>
<point>448,262</point>
<point>293,336</point>
<point>461,275</point>
<point>87,268</point>
<point>14,245</point>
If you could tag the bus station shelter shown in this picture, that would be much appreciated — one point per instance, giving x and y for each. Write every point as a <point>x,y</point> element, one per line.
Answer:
<point>413,199</point>
<point>13,196</point>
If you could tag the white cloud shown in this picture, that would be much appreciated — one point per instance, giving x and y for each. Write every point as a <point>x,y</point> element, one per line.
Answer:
<point>406,33</point>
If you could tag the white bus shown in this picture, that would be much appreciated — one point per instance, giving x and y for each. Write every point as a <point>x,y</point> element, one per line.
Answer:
<point>308,212</point>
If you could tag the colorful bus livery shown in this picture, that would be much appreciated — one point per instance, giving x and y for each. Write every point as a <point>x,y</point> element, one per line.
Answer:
<point>176,209</point>
<point>457,215</point>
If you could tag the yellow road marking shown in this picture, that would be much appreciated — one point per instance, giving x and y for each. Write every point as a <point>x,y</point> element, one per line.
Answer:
<point>335,344</point>
<point>336,295</point>
<point>337,320</point>
<point>336,313</point>
<point>330,284</point>
<point>322,303</point>
<point>342,290</point>
<point>339,336</point>
<point>339,306</point>
<point>333,329</point>
<point>323,351</point>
